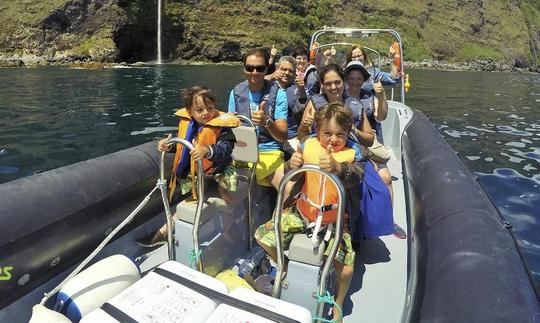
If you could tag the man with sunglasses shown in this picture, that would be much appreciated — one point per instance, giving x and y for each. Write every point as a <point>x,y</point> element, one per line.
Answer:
<point>260,100</point>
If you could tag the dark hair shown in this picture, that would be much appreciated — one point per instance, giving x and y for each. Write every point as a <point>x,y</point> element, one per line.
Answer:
<point>338,111</point>
<point>330,68</point>
<point>189,95</point>
<point>299,51</point>
<point>257,52</point>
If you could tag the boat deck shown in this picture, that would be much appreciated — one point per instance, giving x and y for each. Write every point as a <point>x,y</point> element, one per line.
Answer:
<point>378,288</point>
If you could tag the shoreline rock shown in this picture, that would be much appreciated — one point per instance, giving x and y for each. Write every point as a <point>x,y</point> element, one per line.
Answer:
<point>485,65</point>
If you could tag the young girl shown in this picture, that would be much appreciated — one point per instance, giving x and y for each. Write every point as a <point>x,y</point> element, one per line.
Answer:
<point>210,132</point>
<point>331,149</point>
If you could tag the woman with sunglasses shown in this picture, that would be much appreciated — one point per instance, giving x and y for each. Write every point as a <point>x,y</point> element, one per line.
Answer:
<point>260,100</point>
<point>333,90</point>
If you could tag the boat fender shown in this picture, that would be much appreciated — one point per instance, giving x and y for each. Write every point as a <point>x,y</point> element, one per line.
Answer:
<point>95,285</point>
<point>41,314</point>
<point>407,84</point>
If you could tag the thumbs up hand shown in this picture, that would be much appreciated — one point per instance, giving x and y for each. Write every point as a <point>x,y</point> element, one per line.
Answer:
<point>297,159</point>
<point>327,162</point>
<point>259,117</point>
<point>378,88</point>
<point>273,51</point>
<point>308,119</point>
<point>162,144</point>
<point>199,151</point>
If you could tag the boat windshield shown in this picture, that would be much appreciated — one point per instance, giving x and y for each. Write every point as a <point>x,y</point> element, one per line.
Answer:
<point>376,42</point>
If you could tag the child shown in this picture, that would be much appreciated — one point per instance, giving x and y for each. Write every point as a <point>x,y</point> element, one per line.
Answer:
<point>334,153</point>
<point>210,132</point>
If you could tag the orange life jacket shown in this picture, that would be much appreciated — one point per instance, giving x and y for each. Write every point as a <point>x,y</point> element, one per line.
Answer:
<point>313,52</point>
<point>207,135</point>
<point>397,56</point>
<point>319,196</point>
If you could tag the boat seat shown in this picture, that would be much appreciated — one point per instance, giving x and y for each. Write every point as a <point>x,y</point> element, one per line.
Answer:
<point>245,150</point>
<point>302,250</point>
<point>213,204</point>
<point>246,147</point>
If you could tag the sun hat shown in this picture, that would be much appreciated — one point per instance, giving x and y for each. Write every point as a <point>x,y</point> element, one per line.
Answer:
<point>357,65</point>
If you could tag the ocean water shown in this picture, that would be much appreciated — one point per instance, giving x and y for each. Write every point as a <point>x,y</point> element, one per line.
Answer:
<point>53,116</point>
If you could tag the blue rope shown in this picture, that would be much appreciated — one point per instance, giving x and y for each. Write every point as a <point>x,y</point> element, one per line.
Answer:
<point>193,257</point>
<point>329,299</point>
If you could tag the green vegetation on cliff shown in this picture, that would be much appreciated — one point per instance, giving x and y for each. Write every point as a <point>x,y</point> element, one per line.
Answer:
<point>220,30</point>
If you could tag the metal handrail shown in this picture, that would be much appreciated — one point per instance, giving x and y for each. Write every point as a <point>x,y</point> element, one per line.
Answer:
<point>352,44</point>
<point>351,31</point>
<point>200,196</point>
<point>251,179</point>
<point>276,292</point>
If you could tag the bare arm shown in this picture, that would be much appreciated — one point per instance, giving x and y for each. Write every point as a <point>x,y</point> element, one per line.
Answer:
<point>380,102</point>
<point>278,130</point>
<point>365,133</point>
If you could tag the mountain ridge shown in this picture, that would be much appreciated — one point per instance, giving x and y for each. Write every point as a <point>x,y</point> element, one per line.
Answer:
<point>60,31</point>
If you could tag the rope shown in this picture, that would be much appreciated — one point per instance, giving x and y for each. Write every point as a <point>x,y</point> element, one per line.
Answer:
<point>100,246</point>
<point>329,299</point>
<point>193,256</point>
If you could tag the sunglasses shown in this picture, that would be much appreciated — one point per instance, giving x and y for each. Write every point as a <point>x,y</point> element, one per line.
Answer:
<point>258,68</point>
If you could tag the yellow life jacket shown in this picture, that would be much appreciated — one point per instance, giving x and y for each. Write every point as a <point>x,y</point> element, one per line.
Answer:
<point>318,199</point>
<point>207,135</point>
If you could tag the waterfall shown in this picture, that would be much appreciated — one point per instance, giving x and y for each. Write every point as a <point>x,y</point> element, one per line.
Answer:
<point>159,32</point>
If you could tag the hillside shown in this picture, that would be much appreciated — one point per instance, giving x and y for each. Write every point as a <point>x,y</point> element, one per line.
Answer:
<point>220,30</point>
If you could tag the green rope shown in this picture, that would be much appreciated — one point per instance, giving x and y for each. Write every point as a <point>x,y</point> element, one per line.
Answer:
<point>193,257</point>
<point>329,299</point>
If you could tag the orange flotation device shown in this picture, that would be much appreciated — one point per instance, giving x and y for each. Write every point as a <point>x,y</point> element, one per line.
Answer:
<point>319,196</point>
<point>207,135</point>
<point>313,52</point>
<point>395,49</point>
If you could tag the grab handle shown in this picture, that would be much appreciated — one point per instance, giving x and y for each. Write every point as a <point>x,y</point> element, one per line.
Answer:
<point>200,194</point>
<point>276,292</point>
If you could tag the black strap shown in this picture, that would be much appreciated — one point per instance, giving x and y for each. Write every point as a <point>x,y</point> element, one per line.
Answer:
<point>329,207</point>
<point>117,314</point>
<point>223,298</point>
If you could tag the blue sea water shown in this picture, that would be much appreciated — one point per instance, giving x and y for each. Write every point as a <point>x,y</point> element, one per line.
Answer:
<point>54,116</point>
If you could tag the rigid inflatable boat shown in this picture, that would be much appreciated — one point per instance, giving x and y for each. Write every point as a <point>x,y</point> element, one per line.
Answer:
<point>459,262</point>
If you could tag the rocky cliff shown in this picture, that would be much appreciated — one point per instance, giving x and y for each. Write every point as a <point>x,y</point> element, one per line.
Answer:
<point>220,30</point>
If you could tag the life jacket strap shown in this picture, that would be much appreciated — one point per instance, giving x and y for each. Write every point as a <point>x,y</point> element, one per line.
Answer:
<point>321,208</point>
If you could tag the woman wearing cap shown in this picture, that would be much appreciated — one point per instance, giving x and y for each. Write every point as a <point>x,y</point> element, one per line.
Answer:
<point>375,106</point>
<point>373,100</point>
<point>358,53</point>
<point>333,90</point>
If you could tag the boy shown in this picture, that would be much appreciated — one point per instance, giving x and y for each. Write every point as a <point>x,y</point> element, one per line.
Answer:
<point>331,149</point>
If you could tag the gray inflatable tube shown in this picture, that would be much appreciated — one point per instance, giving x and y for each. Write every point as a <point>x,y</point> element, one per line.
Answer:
<point>52,220</point>
<point>465,265</point>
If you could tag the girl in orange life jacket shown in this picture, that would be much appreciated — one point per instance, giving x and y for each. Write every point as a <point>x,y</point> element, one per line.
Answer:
<point>332,149</point>
<point>210,132</point>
